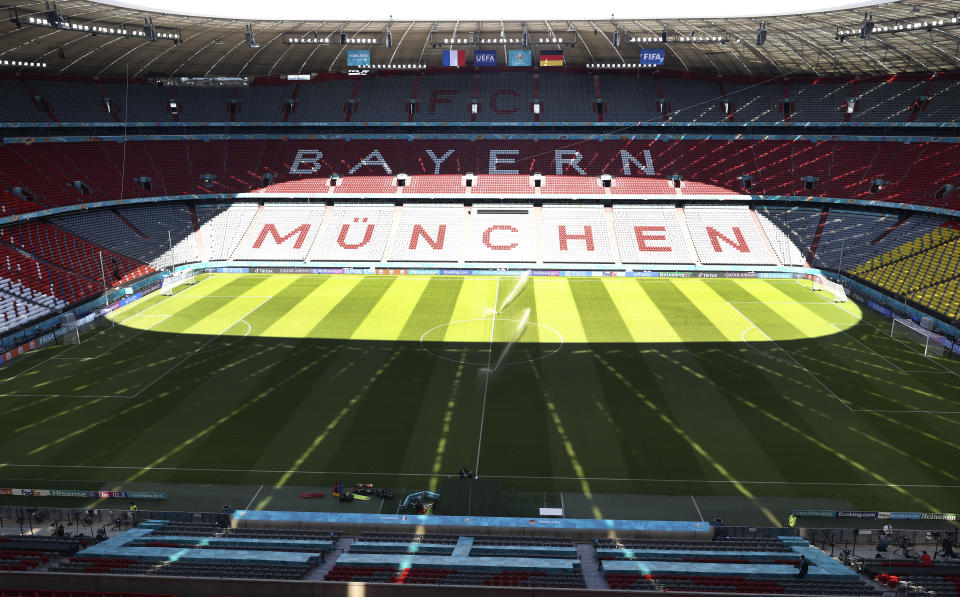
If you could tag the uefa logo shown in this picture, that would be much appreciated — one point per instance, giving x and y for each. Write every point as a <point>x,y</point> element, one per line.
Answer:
<point>485,58</point>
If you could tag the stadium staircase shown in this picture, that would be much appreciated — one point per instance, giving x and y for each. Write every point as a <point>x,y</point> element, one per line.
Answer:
<point>814,245</point>
<point>201,247</point>
<point>467,225</point>
<point>687,239</point>
<point>252,230</point>
<point>314,253</point>
<point>128,223</point>
<point>538,217</point>
<point>395,226</point>
<point>763,235</point>
<point>611,229</point>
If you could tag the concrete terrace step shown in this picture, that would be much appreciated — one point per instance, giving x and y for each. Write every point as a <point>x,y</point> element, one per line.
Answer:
<point>340,546</point>
<point>590,567</point>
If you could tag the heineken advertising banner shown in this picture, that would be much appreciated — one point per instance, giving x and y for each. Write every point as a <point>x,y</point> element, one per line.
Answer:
<point>869,515</point>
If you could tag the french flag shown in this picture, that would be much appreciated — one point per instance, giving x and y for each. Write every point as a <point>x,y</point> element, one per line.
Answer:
<point>454,57</point>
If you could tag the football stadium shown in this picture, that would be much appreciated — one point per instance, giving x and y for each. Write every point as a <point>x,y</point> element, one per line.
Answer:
<point>335,300</point>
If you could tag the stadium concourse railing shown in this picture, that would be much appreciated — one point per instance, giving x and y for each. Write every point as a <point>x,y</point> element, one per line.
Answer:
<point>841,543</point>
<point>500,198</point>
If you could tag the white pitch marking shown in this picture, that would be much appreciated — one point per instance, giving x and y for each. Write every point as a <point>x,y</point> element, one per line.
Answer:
<point>201,347</point>
<point>250,503</point>
<point>165,317</point>
<point>459,361</point>
<point>370,473</point>
<point>885,359</point>
<point>699,513</point>
<point>792,358</point>
<point>486,381</point>
<point>153,305</point>
<point>934,361</point>
<point>61,396</point>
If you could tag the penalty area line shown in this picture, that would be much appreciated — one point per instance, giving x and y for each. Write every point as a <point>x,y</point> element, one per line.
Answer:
<point>883,332</point>
<point>791,357</point>
<point>202,346</point>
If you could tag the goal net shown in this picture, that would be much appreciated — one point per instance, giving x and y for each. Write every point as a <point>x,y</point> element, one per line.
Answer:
<point>171,282</point>
<point>70,332</point>
<point>821,284</point>
<point>925,341</point>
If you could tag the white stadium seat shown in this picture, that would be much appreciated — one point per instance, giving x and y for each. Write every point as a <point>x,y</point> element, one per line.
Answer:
<point>222,228</point>
<point>575,235</point>
<point>503,233</point>
<point>356,233</point>
<point>428,234</point>
<point>727,235</point>
<point>281,232</point>
<point>650,234</point>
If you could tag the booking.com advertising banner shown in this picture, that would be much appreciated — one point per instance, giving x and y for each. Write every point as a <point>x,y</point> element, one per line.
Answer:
<point>652,56</point>
<point>520,58</point>
<point>358,57</point>
<point>485,58</point>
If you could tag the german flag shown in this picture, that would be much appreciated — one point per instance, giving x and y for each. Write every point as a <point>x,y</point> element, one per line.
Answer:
<point>551,57</point>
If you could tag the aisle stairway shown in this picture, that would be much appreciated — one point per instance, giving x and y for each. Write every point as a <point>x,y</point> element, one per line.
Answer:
<point>590,566</point>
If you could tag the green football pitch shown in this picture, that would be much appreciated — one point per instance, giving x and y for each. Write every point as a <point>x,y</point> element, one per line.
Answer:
<point>609,397</point>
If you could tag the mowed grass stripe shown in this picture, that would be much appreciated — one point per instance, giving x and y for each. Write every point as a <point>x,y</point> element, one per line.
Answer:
<point>435,307</point>
<point>179,435</point>
<point>300,320</point>
<point>512,314</point>
<point>704,295</point>
<point>160,412</point>
<point>828,440</point>
<point>642,320</point>
<point>520,437</point>
<point>141,359</point>
<point>834,357</point>
<point>287,390</point>
<point>555,302</point>
<point>389,315</point>
<point>474,311</point>
<point>346,316</point>
<point>283,393</point>
<point>614,451</point>
<point>329,383</point>
<point>377,415</point>
<point>283,300</point>
<point>683,374</point>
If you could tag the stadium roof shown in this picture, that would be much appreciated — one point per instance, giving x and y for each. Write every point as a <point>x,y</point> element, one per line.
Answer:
<point>93,38</point>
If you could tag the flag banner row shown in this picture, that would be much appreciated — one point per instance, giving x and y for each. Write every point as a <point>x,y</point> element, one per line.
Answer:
<point>514,58</point>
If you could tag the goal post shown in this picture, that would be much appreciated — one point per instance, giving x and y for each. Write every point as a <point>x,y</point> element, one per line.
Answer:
<point>821,284</point>
<point>70,331</point>
<point>926,342</point>
<point>175,280</point>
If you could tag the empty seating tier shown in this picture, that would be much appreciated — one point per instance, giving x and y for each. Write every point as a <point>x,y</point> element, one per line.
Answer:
<point>728,236</point>
<point>281,232</point>
<point>443,576</point>
<point>48,175</point>
<point>575,235</point>
<point>565,97</point>
<point>501,233</point>
<point>428,234</point>
<point>355,233</point>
